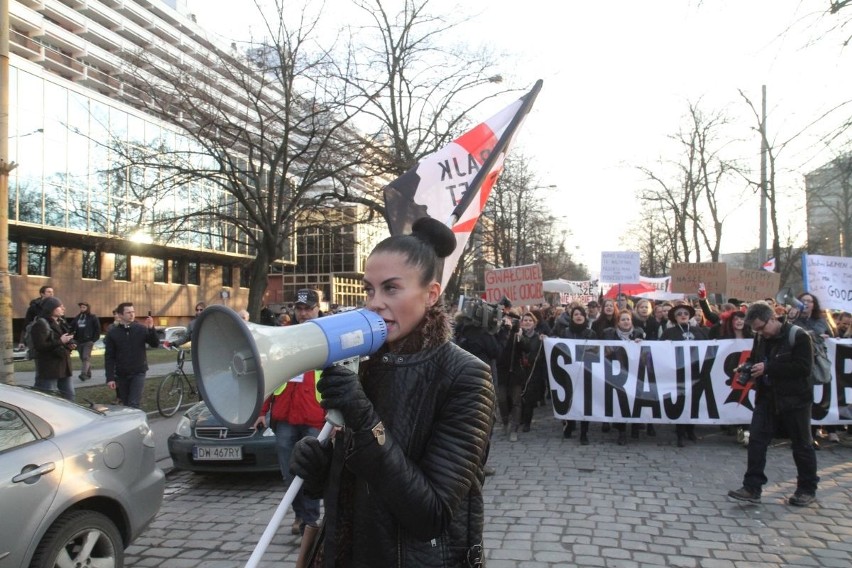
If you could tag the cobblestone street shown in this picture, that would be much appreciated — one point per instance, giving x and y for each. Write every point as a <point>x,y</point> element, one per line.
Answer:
<point>556,503</point>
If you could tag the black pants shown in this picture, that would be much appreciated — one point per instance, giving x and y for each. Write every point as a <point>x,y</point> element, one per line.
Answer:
<point>797,423</point>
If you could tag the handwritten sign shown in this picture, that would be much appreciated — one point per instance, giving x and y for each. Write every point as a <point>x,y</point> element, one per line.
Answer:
<point>830,280</point>
<point>521,284</point>
<point>752,285</point>
<point>620,267</point>
<point>662,284</point>
<point>687,275</point>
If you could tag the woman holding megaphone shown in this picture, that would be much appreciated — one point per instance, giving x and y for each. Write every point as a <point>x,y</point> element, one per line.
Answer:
<point>402,480</point>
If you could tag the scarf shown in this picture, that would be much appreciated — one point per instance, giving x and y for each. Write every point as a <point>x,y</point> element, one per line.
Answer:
<point>624,335</point>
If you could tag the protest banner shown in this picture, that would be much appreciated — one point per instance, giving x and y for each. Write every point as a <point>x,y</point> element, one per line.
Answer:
<point>674,382</point>
<point>590,289</point>
<point>752,285</point>
<point>521,284</point>
<point>662,284</point>
<point>619,267</point>
<point>687,275</point>
<point>829,279</point>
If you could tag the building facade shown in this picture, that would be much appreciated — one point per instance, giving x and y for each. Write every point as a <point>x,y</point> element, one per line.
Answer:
<point>828,191</point>
<point>77,217</point>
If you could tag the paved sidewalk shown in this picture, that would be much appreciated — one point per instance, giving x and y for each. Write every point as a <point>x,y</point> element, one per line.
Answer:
<point>556,503</point>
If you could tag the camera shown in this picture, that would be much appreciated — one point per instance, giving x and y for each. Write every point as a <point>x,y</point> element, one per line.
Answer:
<point>744,371</point>
<point>479,313</point>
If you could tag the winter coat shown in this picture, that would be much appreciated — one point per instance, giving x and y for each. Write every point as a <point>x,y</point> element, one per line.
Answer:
<point>531,369</point>
<point>565,328</point>
<point>415,500</point>
<point>478,341</point>
<point>89,331</point>
<point>611,333</point>
<point>818,326</point>
<point>601,324</point>
<point>676,333</point>
<point>52,357</point>
<point>786,379</point>
<point>650,326</point>
<point>125,349</point>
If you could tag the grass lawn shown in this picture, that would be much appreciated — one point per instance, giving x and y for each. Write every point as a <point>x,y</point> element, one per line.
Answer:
<point>154,356</point>
<point>100,393</point>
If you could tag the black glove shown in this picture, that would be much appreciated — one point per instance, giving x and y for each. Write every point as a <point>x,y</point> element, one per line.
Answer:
<point>311,460</point>
<point>341,389</point>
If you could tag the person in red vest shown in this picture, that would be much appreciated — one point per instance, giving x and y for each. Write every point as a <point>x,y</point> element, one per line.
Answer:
<point>296,413</point>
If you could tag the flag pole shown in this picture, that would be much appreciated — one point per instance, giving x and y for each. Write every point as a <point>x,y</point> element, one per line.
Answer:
<point>488,164</point>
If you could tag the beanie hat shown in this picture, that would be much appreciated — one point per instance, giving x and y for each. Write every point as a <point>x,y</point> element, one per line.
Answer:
<point>48,305</point>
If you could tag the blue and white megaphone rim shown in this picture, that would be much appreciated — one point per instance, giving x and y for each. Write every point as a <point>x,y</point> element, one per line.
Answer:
<point>239,364</point>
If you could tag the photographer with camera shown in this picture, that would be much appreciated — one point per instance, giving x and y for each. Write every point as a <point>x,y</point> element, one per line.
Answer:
<point>53,343</point>
<point>475,330</point>
<point>781,375</point>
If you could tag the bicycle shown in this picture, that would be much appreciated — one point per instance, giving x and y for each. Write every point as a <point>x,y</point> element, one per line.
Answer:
<point>171,391</point>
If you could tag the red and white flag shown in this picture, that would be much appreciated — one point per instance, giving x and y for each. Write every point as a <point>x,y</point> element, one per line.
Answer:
<point>769,265</point>
<point>453,183</point>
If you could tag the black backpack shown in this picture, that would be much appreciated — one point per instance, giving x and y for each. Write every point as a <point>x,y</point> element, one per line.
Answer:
<point>821,370</point>
<point>28,336</point>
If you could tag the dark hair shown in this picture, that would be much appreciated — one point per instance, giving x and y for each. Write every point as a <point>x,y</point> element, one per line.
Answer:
<point>580,309</point>
<point>44,289</point>
<point>759,311</point>
<point>816,312</point>
<point>727,319</point>
<point>120,309</point>
<point>429,241</point>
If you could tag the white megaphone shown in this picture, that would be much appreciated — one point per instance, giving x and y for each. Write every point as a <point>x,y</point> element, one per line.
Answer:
<point>239,364</point>
<point>786,297</point>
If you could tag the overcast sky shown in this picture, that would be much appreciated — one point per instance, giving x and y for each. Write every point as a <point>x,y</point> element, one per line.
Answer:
<point>617,79</point>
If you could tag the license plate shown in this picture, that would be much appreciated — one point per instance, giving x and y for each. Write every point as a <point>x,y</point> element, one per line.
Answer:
<point>217,453</point>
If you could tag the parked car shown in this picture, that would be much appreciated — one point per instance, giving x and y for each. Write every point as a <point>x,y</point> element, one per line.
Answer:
<point>202,444</point>
<point>22,354</point>
<point>171,334</point>
<point>77,484</point>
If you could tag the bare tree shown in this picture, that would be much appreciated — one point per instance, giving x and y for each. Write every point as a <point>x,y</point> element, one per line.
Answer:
<point>269,144</point>
<point>690,219</point>
<point>655,252</point>
<point>415,88</point>
<point>517,227</point>
<point>416,84</point>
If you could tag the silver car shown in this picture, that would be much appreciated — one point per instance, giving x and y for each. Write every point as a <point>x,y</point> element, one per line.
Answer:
<point>77,485</point>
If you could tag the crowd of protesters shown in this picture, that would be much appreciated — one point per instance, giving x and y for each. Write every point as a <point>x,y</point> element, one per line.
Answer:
<point>521,375</point>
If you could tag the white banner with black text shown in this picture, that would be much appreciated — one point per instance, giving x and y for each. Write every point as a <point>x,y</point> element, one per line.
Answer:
<point>670,382</point>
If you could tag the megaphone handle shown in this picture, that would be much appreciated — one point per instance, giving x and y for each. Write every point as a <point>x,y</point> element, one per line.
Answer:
<point>287,500</point>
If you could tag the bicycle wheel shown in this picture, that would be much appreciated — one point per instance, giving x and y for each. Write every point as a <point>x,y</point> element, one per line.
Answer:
<point>170,394</point>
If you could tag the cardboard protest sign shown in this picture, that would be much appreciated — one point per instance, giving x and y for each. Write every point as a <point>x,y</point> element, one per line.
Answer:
<point>521,284</point>
<point>687,275</point>
<point>752,285</point>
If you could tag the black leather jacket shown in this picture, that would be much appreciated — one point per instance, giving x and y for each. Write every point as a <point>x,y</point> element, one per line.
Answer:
<point>788,368</point>
<point>416,500</point>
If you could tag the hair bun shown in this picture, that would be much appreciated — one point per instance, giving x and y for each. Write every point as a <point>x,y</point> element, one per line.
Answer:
<point>436,234</point>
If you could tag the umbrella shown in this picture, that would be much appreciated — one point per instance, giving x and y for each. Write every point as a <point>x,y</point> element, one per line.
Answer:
<point>631,289</point>
<point>561,286</point>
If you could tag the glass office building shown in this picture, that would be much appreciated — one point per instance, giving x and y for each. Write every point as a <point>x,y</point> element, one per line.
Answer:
<point>81,220</point>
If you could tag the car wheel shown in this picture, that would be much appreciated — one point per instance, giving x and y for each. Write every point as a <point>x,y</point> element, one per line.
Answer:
<point>80,538</point>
